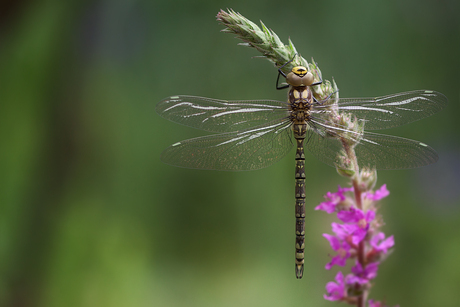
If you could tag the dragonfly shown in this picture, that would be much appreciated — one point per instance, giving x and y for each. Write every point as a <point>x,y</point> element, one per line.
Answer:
<point>254,134</point>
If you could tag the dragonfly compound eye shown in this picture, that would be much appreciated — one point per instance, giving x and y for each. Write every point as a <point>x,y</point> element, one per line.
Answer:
<point>293,79</point>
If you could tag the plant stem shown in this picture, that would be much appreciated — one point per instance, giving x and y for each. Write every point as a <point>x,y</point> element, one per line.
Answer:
<point>361,301</point>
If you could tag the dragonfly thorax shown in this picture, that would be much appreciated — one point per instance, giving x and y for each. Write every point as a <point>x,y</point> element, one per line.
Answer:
<point>299,76</point>
<point>300,96</point>
<point>300,100</point>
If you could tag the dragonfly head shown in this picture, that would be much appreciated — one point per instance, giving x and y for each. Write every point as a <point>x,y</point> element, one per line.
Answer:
<point>299,76</point>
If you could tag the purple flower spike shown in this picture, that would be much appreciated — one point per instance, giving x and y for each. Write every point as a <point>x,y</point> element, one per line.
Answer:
<point>384,245</point>
<point>379,194</point>
<point>357,237</point>
<point>335,291</point>
<point>342,249</point>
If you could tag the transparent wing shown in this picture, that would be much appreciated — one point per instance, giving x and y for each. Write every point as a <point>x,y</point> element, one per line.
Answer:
<point>386,111</point>
<point>381,151</point>
<point>221,115</point>
<point>234,151</point>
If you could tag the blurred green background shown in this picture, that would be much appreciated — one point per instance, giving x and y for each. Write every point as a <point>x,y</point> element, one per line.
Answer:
<point>89,216</point>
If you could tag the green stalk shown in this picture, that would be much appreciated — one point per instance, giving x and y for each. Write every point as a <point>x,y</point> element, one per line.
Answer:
<point>273,49</point>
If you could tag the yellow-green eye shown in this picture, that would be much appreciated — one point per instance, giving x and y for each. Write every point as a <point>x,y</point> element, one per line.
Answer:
<point>293,79</point>
<point>308,79</point>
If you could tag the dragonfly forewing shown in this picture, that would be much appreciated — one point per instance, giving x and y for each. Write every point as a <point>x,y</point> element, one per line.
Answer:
<point>221,115</point>
<point>249,149</point>
<point>386,111</point>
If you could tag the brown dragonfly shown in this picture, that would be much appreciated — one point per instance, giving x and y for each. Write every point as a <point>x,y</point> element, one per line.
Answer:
<point>253,134</point>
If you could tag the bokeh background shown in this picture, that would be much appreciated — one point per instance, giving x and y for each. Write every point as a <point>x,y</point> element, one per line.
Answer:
<point>89,216</point>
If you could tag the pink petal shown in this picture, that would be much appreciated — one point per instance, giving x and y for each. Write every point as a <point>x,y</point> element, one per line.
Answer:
<point>370,215</point>
<point>384,245</point>
<point>375,239</point>
<point>371,270</point>
<point>379,194</point>
<point>326,206</point>
<point>336,291</point>
<point>335,243</point>
<point>340,230</point>
<point>387,244</point>
<point>358,235</point>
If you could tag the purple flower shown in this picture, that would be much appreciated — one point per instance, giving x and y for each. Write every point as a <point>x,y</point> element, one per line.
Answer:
<point>341,247</point>
<point>333,199</point>
<point>356,216</point>
<point>340,230</point>
<point>357,236</point>
<point>379,194</point>
<point>352,234</point>
<point>361,221</point>
<point>363,275</point>
<point>384,245</point>
<point>335,291</point>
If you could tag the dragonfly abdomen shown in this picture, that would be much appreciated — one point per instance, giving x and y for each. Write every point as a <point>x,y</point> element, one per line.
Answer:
<point>300,98</point>
<point>300,131</point>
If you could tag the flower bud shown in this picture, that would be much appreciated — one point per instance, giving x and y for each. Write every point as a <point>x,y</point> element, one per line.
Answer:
<point>368,178</point>
<point>344,165</point>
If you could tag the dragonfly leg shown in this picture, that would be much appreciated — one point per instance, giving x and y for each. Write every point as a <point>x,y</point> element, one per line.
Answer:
<point>280,72</point>
<point>278,80</point>
<point>325,99</point>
